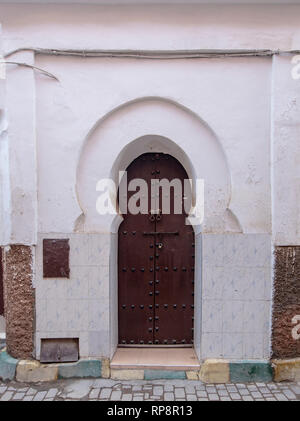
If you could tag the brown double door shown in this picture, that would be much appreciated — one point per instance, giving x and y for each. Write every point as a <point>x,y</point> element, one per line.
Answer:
<point>156,258</point>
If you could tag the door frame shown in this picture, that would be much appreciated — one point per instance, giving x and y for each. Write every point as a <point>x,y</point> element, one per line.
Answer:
<point>139,125</point>
<point>113,262</point>
<point>142,168</point>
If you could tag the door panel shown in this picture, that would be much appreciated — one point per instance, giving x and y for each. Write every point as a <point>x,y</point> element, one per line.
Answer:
<point>156,263</point>
<point>136,268</point>
<point>175,291</point>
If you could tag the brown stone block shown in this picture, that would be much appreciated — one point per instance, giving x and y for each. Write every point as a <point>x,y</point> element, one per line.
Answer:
<point>19,300</point>
<point>286,370</point>
<point>286,302</point>
<point>1,286</point>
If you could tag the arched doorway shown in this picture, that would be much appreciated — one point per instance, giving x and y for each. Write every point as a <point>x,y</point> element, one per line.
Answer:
<point>156,258</point>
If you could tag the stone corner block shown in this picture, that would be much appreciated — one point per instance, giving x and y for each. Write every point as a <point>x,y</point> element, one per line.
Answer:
<point>105,372</point>
<point>193,375</point>
<point>8,366</point>
<point>250,371</point>
<point>214,371</point>
<point>286,370</point>
<point>122,374</point>
<point>81,369</point>
<point>164,375</point>
<point>32,371</point>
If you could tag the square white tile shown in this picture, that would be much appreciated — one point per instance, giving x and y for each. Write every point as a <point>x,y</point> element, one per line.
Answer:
<point>213,250</point>
<point>211,345</point>
<point>212,316</point>
<point>233,345</point>
<point>232,316</point>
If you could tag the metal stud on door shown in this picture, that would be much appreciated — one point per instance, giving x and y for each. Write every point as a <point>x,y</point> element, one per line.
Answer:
<point>156,263</point>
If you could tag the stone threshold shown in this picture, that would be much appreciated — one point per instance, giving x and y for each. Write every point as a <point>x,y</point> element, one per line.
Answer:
<point>176,359</point>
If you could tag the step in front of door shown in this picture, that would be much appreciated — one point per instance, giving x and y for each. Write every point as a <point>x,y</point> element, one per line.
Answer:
<point>156,359</point>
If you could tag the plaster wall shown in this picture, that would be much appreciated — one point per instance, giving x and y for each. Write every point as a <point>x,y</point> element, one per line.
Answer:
<point>21,138</point>
<point>219,109</point>
<point>220,147</point>
<point>286,153</point>
<point>155,27</point>
<point>4,159</point>
<point>158,27</point>
<point>235,119</point>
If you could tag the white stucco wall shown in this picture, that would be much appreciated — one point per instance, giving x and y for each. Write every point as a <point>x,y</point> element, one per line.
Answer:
<point>236,119</point>
<point>286,153</point>
<point>231,97</point>
<point>183,26</point>
<point>212,95</point>
<point>4,156</point>
<point>20,94</point>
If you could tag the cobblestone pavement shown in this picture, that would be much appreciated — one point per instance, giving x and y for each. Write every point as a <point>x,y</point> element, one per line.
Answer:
<point>141,390</point>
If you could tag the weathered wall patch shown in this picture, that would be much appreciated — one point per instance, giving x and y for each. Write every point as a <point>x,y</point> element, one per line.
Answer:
<point>286,308</point>
<point>1,286</point>
<point>19,300</point>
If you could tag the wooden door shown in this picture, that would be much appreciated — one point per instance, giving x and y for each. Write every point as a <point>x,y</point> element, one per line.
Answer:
<point>156,262</point>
